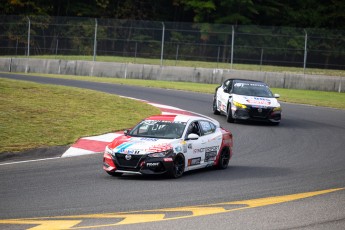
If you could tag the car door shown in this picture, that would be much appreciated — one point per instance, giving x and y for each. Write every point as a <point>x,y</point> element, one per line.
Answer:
<point>223,93</point>
<point>195,155</point>
<point>212,139</point>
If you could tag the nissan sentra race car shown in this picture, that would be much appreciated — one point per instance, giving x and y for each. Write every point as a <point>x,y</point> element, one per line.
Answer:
<point>169,144</point>
<point>246,100</point>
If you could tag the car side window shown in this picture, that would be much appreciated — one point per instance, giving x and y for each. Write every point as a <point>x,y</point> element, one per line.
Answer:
<point>230,86</point>
<point>225,84</point>
<point>207,127</point>
<point>194,128</point>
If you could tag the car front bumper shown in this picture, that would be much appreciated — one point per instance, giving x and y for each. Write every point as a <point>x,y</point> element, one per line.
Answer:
<point>256,113</point>
<point>138,164</point>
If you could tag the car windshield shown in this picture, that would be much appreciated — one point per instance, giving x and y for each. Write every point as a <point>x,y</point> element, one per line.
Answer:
<point>257,89</point>
<point>158,129</point>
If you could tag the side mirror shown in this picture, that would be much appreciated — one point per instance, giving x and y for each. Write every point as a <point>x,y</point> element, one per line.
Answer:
<point>193,136</point>
<point>226,90</point>
<point>126,132</point>
<point>276,95</point>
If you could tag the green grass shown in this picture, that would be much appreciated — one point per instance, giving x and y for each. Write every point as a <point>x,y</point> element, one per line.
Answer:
<point>197,64</point>
<point>310,97</point>
<point>34,115</point>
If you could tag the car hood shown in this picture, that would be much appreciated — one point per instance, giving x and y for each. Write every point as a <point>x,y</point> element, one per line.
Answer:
<point>256,101</point>
<point>141,145</point>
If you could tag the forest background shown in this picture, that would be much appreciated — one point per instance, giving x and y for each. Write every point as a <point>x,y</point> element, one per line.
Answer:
<point>293,13</point>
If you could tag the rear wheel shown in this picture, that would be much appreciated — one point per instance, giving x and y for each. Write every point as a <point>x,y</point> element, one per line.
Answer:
<point>178,167</point>
<point>116,174</point>
<point>224,159</point>
<point>229,117</point>
<point>214,107</point>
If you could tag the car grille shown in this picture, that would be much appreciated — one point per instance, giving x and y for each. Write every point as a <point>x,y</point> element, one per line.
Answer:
<point>260,112</point>
<point>123,162</point>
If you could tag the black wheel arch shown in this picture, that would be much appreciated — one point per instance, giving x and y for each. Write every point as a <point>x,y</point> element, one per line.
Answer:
<point>227,151</point>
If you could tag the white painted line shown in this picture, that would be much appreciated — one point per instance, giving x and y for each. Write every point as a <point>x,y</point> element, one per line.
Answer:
<point>19,162</point>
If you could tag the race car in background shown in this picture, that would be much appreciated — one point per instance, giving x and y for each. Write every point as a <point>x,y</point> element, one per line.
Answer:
<point>169,144</point>
<point>246,100</point>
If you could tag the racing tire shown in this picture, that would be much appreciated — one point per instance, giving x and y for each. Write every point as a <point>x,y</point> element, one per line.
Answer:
<point>178,167</point>
<point>224,159</point>
<point>229,117</point>
<point>214,107</point>
<point>115,174</point>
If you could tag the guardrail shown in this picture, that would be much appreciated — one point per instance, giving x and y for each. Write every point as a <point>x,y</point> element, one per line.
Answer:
<point>170,73</point>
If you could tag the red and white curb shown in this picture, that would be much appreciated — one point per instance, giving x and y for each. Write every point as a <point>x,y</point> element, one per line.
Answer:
<point>96,144</point>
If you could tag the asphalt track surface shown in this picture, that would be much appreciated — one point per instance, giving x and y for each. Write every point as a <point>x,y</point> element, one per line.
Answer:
<point>306,153</point>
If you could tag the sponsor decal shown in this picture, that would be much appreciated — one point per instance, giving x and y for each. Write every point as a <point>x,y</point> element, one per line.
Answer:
<point>258,100</point>
<point>249,84</point>
<point>190,146</point>
<point>222,107</point>
<point>194,161</point>
<point>131,151</point>
<point>160,147</point>
<point>148,139</point>
<point>121,148</point>
<point>210,155</point>
<point>208,149</point>
<point>152,165</point>
<point>214,138</point>
<point>184,148</point>
<point>178,149</point>
<point>199,150</point>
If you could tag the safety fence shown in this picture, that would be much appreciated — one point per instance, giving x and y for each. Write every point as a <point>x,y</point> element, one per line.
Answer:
<point>217,43</point>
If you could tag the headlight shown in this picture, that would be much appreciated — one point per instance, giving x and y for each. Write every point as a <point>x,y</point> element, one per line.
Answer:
<point>239,105</point>
<point>108,150</point>
<point>161,154</point>
<point>277,109</point>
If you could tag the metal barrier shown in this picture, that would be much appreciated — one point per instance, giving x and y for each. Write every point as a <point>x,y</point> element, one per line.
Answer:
<point>216,43</point>
<point>170,73</point>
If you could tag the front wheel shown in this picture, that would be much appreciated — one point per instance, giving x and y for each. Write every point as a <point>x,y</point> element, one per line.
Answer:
<point>229,117</point>
<point>214,107</point>
<point>178,167</point>
<point>224,159</point>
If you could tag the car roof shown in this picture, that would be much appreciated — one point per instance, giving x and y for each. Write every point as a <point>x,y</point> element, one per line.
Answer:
<point>245,80</point>
<point>180,118</point>
<point>171,117</point>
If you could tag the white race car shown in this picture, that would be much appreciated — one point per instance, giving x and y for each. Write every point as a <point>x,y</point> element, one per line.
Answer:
<point>169,144</point>
<point>246,100</point>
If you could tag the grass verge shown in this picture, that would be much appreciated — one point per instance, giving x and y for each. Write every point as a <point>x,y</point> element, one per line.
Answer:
<point>309,97</point>
<point>34,115</point>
